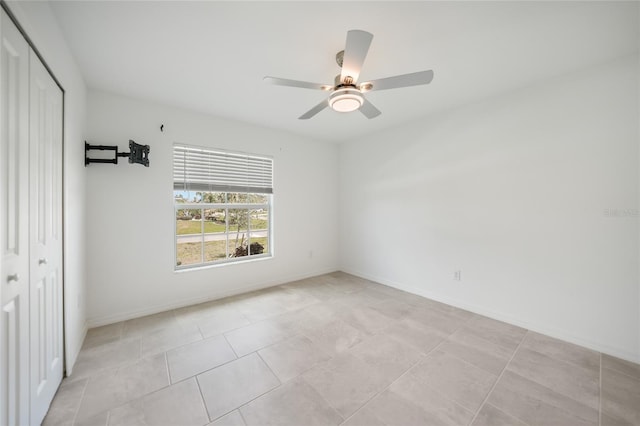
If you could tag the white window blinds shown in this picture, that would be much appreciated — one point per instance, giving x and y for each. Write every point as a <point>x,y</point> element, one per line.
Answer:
<point>201,169</point>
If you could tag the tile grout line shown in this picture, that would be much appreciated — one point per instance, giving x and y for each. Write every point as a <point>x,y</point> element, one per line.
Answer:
<point>547,386</point>
<point>200,331</point>
<point>140,397</point>
<point>101,370</point>
<point>206,409</point>
<point>270,344</point>
<point>246,403</point>
<point>443,396</point>
<point>483,339</point>
<point>570,362</point>
<point>321,396</point>
<point>212,368</point>
<point>469,363</point>
<point>436,390</point>
<point>169,349</point>
<point>241,416</point>
<point>524,336</point>
<point>75,414</point>
<point>507,414</point>
<point>630,376</point>
<point>253,399</point>
<point>426,354</point>
<point>166,366</point>
<point>280,382</point>
<point>600,394</point>
<point>108,410</point>
<point>231,346</point>
<point>164,354</point>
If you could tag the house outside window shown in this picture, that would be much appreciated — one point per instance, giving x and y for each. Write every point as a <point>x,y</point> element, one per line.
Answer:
<point>222,205</point>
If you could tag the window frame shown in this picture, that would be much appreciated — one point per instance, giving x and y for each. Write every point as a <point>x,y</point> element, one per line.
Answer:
<point>223,206</point>
<point>226,206</point>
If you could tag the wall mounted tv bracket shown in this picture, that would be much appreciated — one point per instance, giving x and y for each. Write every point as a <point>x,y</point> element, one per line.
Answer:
<point>138,154</point>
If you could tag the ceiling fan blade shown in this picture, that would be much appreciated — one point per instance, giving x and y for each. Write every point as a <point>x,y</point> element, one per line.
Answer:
<point>355,52</point>
<point>296,83</point>
<point>405,80</point>
<point>313,111</point>
<point>369,110</point>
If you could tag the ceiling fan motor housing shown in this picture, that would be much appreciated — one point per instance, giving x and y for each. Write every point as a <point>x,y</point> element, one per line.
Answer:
<point>348,81</point>
<point>340,58</point>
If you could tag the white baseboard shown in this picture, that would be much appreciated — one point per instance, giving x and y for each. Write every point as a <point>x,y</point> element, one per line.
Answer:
<point>123,316</point>
<point>500,316</point>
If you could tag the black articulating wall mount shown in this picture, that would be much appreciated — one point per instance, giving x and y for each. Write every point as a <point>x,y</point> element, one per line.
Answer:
<point>138,154</point>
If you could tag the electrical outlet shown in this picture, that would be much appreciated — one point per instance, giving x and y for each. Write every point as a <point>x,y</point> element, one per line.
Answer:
<point>457,275</point>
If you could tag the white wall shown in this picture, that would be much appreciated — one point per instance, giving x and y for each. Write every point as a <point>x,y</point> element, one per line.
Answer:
<point>131,220</point>
<point>40,24</point>
<point>514,192</point>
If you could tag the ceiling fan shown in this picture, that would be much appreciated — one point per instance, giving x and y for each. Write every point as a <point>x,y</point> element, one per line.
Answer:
<point>347,94</point>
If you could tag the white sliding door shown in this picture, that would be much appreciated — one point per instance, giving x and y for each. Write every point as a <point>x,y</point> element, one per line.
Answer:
<point>14,225</point>
<point>45,263</point>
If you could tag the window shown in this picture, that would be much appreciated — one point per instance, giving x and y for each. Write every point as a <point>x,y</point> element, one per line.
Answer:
<point>222,205</point>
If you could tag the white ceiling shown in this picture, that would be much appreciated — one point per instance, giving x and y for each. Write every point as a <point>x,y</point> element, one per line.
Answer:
<point>212,56</point>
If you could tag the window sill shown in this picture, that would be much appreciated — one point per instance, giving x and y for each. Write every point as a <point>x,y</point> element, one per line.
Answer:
<point>222,264</point>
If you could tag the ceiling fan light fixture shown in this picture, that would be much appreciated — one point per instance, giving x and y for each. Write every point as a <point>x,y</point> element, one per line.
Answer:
<point>346,94</point>
<point>346,100</point>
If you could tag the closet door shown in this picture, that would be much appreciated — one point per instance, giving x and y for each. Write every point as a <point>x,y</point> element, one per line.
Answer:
<point>14,225</point>
<point>45,263</point>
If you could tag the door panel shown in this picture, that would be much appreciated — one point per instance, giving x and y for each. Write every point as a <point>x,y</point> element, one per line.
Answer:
<point>45,264</point>
<point>14,225</point>
<point>31,349</point>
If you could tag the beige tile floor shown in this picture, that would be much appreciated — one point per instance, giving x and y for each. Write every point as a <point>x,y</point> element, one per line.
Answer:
<point>337,349</point>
